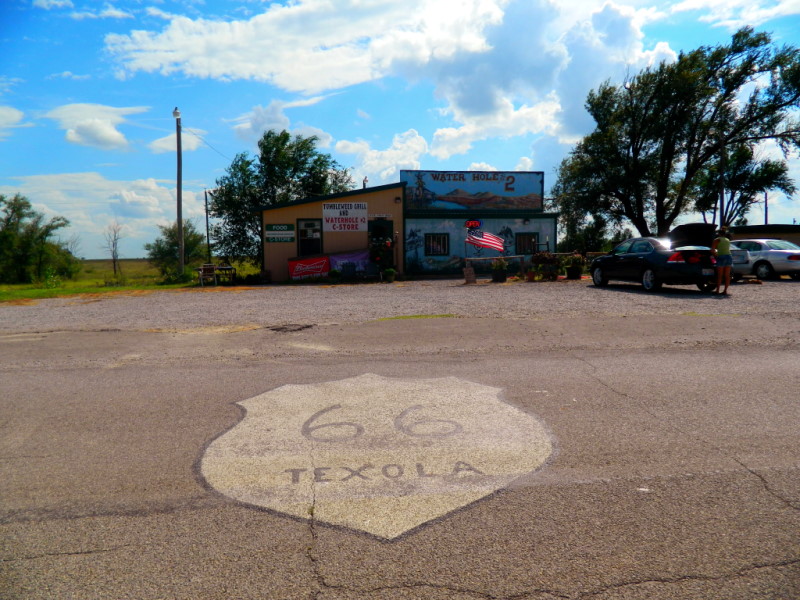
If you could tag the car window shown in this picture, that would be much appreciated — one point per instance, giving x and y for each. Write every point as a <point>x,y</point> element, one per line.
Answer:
<point>749,246</point>
<point>623,247</point>
<point>782,245</point>
<point>641,246</point>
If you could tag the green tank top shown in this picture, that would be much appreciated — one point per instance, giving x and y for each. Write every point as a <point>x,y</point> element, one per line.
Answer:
<point>723,246</point>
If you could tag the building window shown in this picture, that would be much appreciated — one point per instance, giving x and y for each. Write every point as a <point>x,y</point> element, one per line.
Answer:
<point>437,244</point>
<point>526,243</point>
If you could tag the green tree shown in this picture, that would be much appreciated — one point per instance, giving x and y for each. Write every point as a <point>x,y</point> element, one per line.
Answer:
<point>287,169</point>
<point>743,180</point>
<point>659,132</point>
<point>28,250</point>
<point>163,252</point>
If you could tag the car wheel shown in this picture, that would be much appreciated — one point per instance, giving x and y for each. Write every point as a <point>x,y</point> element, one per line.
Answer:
<point>764,270</point>
<point>706,286</point>
<point>649,281</point>
<point>599,278</point>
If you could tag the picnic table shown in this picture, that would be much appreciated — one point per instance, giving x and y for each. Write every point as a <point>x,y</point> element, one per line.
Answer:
<point>215,273</point>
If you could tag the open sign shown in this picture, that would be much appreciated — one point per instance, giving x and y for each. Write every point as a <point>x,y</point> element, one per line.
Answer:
<point>473,223</point>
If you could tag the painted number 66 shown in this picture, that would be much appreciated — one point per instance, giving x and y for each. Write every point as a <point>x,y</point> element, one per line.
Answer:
<point>421,427</point>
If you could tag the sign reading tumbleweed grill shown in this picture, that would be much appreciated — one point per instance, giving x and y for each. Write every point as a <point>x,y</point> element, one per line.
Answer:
<point>372,453</point>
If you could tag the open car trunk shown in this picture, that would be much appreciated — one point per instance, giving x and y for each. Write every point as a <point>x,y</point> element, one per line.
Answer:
<point>692,234</point>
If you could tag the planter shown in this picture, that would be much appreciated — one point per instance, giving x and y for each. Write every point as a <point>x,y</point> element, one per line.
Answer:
<point>550,272</point>
<point>574,272</point>
<point>499,276</point>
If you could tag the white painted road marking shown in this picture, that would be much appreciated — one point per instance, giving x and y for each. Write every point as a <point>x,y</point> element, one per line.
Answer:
<point>372,453</point>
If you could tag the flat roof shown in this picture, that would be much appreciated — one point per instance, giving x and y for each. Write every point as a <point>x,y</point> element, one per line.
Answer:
<point>350,194</point>
<point>771,228</point>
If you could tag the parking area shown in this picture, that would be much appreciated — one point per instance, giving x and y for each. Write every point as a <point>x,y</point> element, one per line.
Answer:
<point>409,440</point>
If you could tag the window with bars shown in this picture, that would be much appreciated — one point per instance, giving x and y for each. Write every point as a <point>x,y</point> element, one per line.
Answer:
<point>437,244</point>
<point>526,243</point>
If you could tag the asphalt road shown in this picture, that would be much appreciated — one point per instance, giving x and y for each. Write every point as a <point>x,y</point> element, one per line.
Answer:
<point>616,455</point>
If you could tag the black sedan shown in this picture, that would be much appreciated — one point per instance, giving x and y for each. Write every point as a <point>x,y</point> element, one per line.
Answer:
<point>685,258</point>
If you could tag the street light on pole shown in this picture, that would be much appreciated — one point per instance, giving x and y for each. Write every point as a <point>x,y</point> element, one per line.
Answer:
<point>177,114</point>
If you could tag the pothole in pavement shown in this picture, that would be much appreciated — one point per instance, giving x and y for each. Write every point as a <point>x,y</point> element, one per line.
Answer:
<point>290,328</point>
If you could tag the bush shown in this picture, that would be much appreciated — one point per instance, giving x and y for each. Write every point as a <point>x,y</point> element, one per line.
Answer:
<point>575,260</point>
<point>499,264</point>
<point>171,276</point>
<point>545,258</point>
<point>163,252</point>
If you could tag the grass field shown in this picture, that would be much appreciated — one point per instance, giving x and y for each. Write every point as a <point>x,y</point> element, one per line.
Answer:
<point>98,276</point>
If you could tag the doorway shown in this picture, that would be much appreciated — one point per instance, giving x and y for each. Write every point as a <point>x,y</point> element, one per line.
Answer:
<point>381,242</point>
<point>309,237</point>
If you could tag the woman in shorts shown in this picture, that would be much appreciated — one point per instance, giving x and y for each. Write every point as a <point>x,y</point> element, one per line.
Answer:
<point>722,251</point>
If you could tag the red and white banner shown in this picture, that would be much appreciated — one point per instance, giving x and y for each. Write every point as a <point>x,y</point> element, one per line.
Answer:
<point>305,268</point>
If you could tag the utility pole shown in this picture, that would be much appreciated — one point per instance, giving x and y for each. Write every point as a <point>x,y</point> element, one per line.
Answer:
<point>177,114</point>
<point>208,239</point>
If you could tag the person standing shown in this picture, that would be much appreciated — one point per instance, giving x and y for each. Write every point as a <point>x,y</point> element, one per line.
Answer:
<point>721,248</point>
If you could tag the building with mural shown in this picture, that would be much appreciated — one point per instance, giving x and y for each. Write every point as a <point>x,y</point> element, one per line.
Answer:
<point>358,230</point>
<point>419,226</point>
<point>441,207</point>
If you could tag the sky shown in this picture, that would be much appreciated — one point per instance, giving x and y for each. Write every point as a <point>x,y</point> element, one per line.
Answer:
<point>87,91</point>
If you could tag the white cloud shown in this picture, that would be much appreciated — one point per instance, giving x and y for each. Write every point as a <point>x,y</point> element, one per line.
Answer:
<point>94,124</point>
<point>481,166</point>
<point>7,83</point>
<point>404,153</point>
<point>506,121</point>
<point>90,202</point>
<point>310,46</point>
<point>734,14</point>
<point>48,4</point>
<point>191,139</point>
<point>525,164</point>
<point>536,73</point>
<point>108,12</point>
<point>143,199</point>
<point>69,75</point>
<point>502,67</point>
<point>251,126</point>
<point>10,118</point>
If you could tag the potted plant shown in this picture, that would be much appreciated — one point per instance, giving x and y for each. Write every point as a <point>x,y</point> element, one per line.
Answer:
<point>575,264</point>
<point>499,270</point>
<point>530,272</point>
<point>389,275</point>
<point>547,265</point>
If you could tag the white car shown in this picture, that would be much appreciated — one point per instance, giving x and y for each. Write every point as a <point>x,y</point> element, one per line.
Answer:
<point>772,258</point>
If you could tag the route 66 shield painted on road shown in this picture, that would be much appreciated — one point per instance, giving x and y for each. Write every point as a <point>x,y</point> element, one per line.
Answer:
<point>375,454</point>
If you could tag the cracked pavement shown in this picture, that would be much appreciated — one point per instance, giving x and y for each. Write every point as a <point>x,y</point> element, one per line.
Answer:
<point>675,470</point>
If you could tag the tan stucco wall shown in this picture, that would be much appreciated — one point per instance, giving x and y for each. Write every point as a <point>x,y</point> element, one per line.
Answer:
<point>379,202</point>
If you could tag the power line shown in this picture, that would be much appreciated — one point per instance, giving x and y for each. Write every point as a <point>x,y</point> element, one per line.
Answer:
<point>206,143</point>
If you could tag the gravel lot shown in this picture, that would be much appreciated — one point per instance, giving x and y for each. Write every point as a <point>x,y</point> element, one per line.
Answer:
<point>276,305</point>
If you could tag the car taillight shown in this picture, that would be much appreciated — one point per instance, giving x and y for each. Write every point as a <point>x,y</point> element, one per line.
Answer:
<point>677,257</point>
<point>693,258</point>
<point>794,257</point>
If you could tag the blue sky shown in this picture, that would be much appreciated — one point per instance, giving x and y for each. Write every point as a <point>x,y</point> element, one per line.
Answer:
<point>87,90</point>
